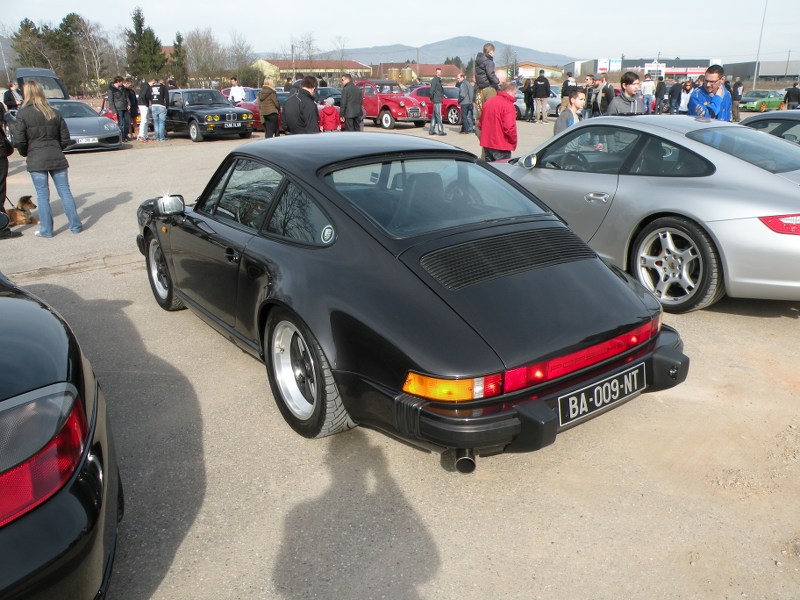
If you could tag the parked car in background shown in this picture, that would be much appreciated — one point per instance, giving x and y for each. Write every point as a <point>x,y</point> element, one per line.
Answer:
<point>401,283</point>
<point>250,94</point>
<point>385,102</point>
<point>53,87</point>
<point>61,495</point>
<point>553,103</point>
<point>87,129</point>
<point>325,92</point>
<point>206,113</point>
<point>693,209</point>
<point>783,124</point>
<point>762,100</point>
<point>451,109</point>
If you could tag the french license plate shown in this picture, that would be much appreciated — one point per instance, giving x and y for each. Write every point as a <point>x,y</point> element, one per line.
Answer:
<point>581,403</point>
<point>231,125</point>
<point>87,140</point>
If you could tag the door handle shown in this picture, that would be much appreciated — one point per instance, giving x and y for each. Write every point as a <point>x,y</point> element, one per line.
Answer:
<point>601,197</point>
<point>231,255</point>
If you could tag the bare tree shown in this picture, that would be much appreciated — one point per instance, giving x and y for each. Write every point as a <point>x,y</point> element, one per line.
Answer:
<point>204,55</point>
<point>339,50</point>
<point>306,46</point>
<point>240,59</point>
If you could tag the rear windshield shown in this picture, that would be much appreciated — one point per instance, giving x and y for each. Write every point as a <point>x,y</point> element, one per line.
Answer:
<point>759,149</point>
<point>409,197</point>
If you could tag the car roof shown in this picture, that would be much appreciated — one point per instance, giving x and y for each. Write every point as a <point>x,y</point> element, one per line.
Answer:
<point>378,81</point>
<point>681,124</point>
<point>308,153</point>
<point>783,115</point>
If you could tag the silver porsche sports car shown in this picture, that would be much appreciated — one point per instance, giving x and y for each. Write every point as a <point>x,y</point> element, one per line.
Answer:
<point>693,208</point>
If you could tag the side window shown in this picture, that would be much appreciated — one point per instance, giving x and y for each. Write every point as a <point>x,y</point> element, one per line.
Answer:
<point>369,90</point>
<point>424,92</point>
<point>297,217</point>
<point>660,158</point>
<point>591,150</point>
<point>243,194</point>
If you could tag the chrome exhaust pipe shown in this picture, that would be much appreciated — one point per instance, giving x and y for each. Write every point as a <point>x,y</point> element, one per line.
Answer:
<point>465,460</point>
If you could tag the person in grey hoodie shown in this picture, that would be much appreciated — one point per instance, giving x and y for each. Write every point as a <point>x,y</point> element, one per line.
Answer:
<point>629,102</point>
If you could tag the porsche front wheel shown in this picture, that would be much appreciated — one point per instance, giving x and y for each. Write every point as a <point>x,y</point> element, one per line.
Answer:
<point>677,261</point>
<point>301,379</point>
<point>159,277</point>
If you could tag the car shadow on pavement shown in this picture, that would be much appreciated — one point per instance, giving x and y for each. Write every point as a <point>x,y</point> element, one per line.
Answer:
<point>746,307</point>
<point>361,538</point>
<point>157,428</point>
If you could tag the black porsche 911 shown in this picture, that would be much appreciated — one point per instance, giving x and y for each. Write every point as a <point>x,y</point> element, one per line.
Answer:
<point>60,491</point>
<point>402,284</point>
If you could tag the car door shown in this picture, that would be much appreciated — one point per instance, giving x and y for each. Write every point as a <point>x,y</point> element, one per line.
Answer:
<point>207,247</point>
<point>369,99</point>
<point>578,174</point>
<point>176,106</point>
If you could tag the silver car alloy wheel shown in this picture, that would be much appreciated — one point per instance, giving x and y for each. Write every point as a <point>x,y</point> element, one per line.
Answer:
<point>670,265</point>
<point>158,270</point>
<point>295,370</point>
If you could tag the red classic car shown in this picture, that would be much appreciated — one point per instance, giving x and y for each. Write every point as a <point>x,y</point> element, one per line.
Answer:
<point>385,103</point>
<point>451,110</point>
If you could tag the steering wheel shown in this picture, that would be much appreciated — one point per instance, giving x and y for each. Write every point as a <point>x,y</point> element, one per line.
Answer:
<point>460,192</point>
<point>574,161</point>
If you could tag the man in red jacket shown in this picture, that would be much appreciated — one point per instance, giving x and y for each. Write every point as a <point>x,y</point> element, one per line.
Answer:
<point>498,124</point>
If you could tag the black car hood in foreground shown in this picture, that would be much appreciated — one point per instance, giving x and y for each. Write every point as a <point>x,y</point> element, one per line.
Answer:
<point>36,346</point>
<point>531,293</point>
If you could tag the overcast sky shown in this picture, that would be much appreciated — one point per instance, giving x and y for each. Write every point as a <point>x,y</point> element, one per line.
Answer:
<point>604,29</point>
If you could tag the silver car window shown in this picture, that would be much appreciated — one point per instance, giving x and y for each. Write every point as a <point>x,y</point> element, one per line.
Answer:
<point>600,149</point>
<point>765,151</point>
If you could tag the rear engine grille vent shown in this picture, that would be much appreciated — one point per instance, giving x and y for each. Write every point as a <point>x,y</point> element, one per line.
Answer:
<point>466,264</point>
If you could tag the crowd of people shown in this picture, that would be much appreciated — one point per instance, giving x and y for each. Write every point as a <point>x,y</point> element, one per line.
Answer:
<point>487,109</point>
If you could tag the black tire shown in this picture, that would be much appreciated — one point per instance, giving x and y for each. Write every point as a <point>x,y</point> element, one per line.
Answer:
<point>194,132</point>
<point>158,276</point>
<point>419,123</point>
<point>120,499</point>
<point>453,115</point>
<point>246,134</point>
<point>386,120</point>
<point>558,110</point>
<point>301,379</point>
<point>519,112</point>
<point>677,261</point>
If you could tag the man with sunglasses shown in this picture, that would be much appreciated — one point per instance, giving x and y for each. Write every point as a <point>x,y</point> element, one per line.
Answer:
<point>711,100</point>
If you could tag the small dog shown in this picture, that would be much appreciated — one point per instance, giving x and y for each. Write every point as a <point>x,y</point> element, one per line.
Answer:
<point>21,215</point>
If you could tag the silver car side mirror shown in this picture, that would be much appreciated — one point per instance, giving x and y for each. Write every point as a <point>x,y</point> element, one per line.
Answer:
<point>529,161</point>
<point>170,205</point>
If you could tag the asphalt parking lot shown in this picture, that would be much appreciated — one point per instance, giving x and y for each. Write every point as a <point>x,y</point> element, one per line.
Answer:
<point>690,493</point>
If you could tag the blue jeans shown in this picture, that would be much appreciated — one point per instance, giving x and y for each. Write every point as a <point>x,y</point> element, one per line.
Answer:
<point>648,103</point>
<point>42,187</point>
<point>159,121</point>
<point>467,122</point>
<point>436,118</point>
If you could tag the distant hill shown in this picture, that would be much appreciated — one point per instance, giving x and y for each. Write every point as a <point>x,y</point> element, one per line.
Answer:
<point>465,47</point>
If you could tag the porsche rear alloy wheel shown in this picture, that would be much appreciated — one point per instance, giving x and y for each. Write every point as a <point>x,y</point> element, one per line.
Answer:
<point>301,379</point>
<point>677,261</point>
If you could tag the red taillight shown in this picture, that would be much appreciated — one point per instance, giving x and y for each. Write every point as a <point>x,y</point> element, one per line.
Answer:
<point>529,375</point>
<point>488,386</point>
<point>34,463</point>
<point>789,224</point>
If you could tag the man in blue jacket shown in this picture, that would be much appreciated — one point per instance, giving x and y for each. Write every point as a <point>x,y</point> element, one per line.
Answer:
<point>711,100</point>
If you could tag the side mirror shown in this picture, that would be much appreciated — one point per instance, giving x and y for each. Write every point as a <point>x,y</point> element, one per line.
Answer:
<point>529,161</point>
<point>167,206</point>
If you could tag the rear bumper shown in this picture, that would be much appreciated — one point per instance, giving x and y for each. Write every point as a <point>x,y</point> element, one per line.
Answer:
<point>521,424</point>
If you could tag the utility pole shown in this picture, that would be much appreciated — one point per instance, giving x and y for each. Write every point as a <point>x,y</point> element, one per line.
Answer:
<point>758,51</point>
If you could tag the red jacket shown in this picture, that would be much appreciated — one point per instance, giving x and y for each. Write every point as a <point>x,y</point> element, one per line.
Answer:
<point>498,123</point>
<point>329,119</point>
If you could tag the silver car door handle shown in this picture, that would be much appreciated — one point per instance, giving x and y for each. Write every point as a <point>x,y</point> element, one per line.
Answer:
<point>596,197</point>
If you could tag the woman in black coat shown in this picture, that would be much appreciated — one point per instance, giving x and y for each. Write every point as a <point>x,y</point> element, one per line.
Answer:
<point>40,134</point>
